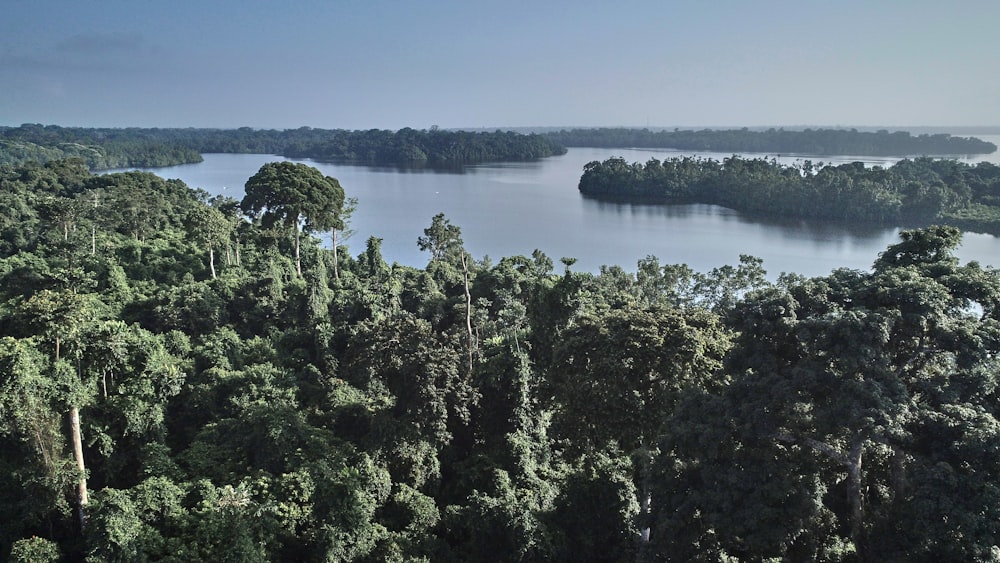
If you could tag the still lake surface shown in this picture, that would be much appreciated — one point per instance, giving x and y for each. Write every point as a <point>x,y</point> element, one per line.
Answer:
<point>508,209</point>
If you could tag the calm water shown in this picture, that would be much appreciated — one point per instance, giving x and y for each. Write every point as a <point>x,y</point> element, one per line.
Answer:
<point>514,208</point>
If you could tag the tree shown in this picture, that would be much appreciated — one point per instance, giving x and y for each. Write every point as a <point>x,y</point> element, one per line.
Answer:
<point>292,193</point>
<point>336,221</point>
<point>35,474</point>
<point>61,316</point>
<point>212,227</point>
<point>444,241</point>
<point>411,376</point>
<point>615,377</point>
<point>873,394</point>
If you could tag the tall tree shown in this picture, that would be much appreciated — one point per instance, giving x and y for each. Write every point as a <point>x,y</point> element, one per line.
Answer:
<point>292,194</point>
<point>444,241</point>
<point>61,315</point>
<point>615,377</point>
<point>212,227</point>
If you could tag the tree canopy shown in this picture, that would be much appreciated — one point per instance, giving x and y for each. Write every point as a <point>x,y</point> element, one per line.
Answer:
<point>176,385</point>
<point>912,192</point>
<point>105,148</point>
<point>778,141</point>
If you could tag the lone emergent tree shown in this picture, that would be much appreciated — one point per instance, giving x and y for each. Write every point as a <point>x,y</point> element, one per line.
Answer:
<point>291,193</point>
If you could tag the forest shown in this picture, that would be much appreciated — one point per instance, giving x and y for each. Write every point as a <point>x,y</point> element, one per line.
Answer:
<point>918,192</point>
<point>818,142</point>
<point>109,148</point>
<point>193,378</point>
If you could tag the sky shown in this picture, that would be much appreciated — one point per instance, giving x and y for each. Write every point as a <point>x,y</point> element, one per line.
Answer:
<point>491,64</point>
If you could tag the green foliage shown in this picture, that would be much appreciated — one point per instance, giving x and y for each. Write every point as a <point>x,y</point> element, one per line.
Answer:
<point>34,550</point>
<point>468,411</point>
<point>777,141</point>
<point>100,149</point>
<point>915,191</point>
<point>595,513</point>
<point>289,194</point>
<point>842,385</point>
<point>104,148</point>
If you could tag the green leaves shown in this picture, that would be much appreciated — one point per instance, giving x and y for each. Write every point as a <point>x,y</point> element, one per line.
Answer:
<point>852,379</point>
<point>291,193</point>
<point>614,378</point>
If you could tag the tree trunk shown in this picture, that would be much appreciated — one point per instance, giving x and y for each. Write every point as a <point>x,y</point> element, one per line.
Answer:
<point>855,490</point>
<point>93,229</point>
<point>856,498</point>
<point>336,267</point>
<point>468,310</point>
<point>211,260</point>
<point>646,502</point>
<point>81,494</point>
<point>899,485</point>
<point>298,259</point>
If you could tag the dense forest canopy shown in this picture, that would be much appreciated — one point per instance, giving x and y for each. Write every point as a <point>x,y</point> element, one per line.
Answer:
<point>105,148</point>
<point>817,142</point>
<point>180,381</point>
<point>916,192</point>
<point>101,149</point>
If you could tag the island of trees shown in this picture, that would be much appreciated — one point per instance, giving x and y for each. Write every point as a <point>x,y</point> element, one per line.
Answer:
<point>185,378</point>
<point>109,148</point>
<point>918,192</point>
<point>819,142</point>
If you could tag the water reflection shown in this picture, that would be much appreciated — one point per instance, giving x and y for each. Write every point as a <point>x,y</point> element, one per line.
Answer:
<point>816,229</point>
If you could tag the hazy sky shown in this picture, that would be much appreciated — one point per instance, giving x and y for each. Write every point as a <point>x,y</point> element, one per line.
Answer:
<point>391,64</point>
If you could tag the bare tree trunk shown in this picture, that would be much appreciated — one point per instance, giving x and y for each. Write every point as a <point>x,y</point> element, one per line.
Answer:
<point>856,498</point>
<point>298,259</point>
<point>93,229</point>
<point>211,260</point>
<point>468,311</point>
<point>81,494</point>
<point>336,267</point>
<point>645,503</point>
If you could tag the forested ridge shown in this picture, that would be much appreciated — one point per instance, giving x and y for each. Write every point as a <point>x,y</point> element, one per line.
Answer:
<point>100,149</point>
<point>778,141</point>
<point>918,192</point>
<point>187,378</point>
<point>106,148</point>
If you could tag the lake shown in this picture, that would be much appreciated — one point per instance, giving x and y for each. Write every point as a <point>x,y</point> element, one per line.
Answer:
<point>513,208</point>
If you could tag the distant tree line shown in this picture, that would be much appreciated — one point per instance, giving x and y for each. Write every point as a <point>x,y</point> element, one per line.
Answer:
<point>151,147</point>
<point>777,141</point>
<point>185,378</point>
<point>100,149</point>
<point>917,191</point>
